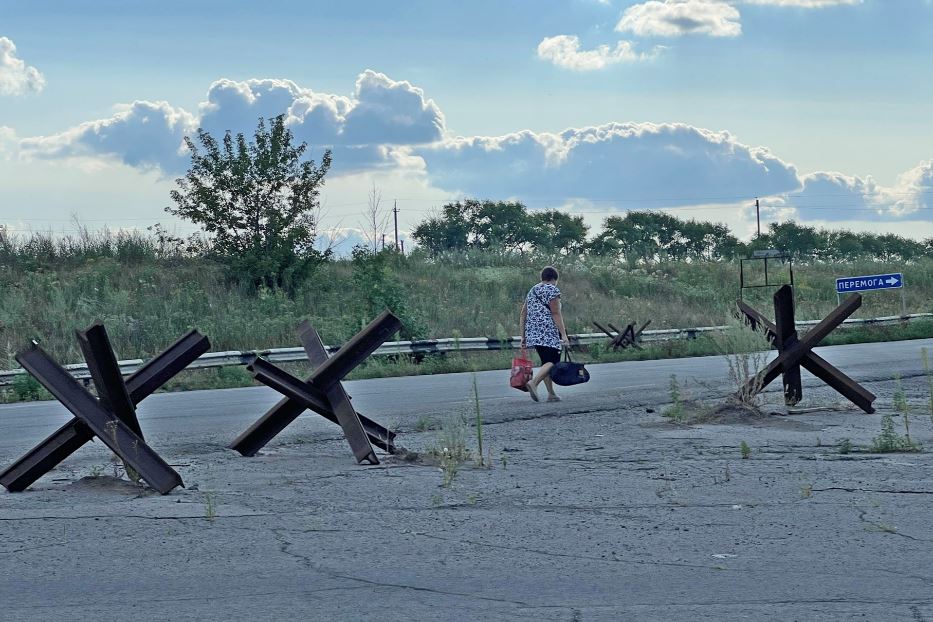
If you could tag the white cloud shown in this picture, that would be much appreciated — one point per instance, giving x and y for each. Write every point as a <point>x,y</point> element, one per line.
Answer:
<point>145,135</point>
<point>833,196</point>
<point>913,194</point>
<point>634,164</point>
<point>16,78</point>
<point>364,131</point>
<point>564,51</point>
<point>391,112</point>
<point>806,4</point>
<point>390,126</point>
<point>674,18</point>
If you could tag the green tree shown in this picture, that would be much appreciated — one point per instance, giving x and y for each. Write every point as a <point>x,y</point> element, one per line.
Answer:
<point>257,201</point>
<point>556,231</point>
<point>447,232</point>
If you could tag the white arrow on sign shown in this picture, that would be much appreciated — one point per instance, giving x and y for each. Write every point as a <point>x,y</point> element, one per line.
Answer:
<point>891,281</point>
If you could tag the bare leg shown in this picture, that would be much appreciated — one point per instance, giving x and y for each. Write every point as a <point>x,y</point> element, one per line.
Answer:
<point>549,385</point>
<point>543,374</point>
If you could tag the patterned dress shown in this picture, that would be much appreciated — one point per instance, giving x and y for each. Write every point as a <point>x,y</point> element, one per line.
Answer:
<point>540,329</point>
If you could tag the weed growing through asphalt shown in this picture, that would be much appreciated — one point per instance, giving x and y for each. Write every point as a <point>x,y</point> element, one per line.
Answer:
<point>806,491</point>
<point>743,349</point>
<point>676,411</point>
<point>929,374</point>
<point>901,406</point>
<point>479,422</point>
<point>97,470</point>
<point>889,441</point>
<point>451,450</point>
<point>210,506</point>
<point>845,446</point>
<point>746,450</point>
<point>425,423</point>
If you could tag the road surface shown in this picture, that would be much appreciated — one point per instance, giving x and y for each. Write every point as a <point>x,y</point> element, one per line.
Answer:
<point>594,509</point>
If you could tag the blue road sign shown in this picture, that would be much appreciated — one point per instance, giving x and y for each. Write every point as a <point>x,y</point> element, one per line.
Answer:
<point>865,283</point>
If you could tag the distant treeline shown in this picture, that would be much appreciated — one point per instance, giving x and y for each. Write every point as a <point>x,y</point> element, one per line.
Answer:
<point>508,228</point>
<point>642,236</point>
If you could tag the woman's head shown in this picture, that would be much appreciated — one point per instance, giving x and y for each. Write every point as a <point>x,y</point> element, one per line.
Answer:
<point>549,274</point>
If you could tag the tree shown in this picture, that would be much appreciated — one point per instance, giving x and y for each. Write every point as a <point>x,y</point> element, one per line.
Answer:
<point>377,219</point>
<point>557,231</point>
<point>257,201</point>
<point>446,232</point>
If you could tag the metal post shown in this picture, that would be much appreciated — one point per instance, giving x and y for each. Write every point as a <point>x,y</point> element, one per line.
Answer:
<point>903,297</point>
<point>758,216</point>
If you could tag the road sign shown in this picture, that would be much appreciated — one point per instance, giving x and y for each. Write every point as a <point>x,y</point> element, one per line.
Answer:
<point>866,283</point>
<point>771,253</point>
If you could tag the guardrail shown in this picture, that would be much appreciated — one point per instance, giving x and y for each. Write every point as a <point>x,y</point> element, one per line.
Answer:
<point>439,346</point>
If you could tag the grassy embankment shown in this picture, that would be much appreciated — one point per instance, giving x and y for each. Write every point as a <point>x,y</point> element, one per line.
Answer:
<point>146,302</point>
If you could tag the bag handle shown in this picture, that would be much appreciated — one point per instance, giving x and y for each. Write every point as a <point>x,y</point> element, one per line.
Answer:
<point>567,354</point>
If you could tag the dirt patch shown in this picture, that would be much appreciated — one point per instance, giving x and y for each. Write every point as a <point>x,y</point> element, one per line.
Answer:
<point>107,484</point>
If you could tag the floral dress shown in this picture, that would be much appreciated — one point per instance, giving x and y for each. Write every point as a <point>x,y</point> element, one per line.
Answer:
<point>540,329</point>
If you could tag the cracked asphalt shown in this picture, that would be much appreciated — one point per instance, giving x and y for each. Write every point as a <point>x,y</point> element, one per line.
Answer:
<point>593,508</point>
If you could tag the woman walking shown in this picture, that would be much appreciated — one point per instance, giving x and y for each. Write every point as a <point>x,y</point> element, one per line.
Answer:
<point>542,326</point>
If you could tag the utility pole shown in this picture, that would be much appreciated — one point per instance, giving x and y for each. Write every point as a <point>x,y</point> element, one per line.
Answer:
<point>758,216</point>
<point>395,213</point>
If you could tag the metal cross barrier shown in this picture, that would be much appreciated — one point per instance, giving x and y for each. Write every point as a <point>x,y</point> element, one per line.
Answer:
<point>623,338</point>
<point>322,392</point>
<point>794,352</point>
<point>111,416</point>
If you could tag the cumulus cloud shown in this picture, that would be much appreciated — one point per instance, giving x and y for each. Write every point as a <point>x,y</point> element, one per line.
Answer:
<point>806,4</point>
<point>146,135</point>
<point>913,194</point>
<point>564,51</point>
<point>833,196</point>
<point>16,78</point>
<point>364,131</point>
<point>391,112</point>
<point>674,18</point>
<point>661,164</point>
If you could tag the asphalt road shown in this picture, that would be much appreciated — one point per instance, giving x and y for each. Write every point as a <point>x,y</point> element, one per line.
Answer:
<point>594,509</point>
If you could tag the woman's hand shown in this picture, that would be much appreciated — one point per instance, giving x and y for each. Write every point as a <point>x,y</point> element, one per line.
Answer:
<point>565,340</point>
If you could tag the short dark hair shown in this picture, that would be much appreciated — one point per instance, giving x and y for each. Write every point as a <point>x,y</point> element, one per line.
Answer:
<point>549,274</point>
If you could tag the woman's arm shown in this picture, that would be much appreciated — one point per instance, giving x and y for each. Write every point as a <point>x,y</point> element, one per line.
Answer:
<point>554,305</point>
<point>521,322</point>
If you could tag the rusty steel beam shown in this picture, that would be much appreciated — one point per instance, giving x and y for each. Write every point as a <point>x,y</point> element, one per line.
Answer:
<point>337,398</point>
<point>73,435</point>
<point>795,353</point>
<point>602,328</point>
<point>46,456</point>
<point>166,365</point>
<point>111,431</point>
<point>105,372</point>
<point>785,339</point>
<point>323,378</point>
<point>799,351</point>
<point>357,350</point>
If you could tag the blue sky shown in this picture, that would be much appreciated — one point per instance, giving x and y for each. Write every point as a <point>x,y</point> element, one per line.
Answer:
<point>821,107</point>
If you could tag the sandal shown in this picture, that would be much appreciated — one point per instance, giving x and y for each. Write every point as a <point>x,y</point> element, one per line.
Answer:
<point>553,398</point>
<point>532,391</point>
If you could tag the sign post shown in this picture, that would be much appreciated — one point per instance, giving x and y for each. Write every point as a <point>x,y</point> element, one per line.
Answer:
<point>854,284</point>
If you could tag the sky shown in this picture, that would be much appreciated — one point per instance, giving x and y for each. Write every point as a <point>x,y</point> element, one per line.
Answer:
<point>821,109</point>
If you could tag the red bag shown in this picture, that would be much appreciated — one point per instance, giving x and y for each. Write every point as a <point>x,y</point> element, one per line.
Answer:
<point>521,371</point>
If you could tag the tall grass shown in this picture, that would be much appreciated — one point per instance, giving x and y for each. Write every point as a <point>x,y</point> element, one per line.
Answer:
<point>149,291</point>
